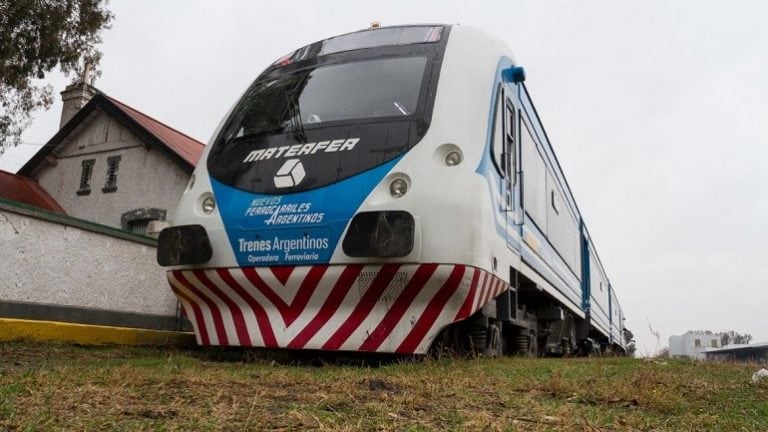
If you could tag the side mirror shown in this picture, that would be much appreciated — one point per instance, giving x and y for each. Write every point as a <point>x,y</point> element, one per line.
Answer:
<point>515,74</point>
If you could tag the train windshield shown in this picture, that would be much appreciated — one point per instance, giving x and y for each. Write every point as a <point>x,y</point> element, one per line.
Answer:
<point>308,98</point>
<point>331,110</point>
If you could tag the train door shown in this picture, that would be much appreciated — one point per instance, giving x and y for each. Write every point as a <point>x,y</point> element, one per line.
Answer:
<point>511,186</point>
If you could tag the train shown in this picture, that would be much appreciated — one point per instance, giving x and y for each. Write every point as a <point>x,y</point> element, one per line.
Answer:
<point>390,190</point>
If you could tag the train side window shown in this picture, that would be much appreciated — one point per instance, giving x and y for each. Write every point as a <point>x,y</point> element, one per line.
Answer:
<point>509,138</point>
<point>498,134</point>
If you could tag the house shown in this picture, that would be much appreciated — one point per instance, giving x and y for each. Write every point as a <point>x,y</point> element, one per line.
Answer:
<point>77,261</point>
<point>112,164</point>
<point>693,344</point>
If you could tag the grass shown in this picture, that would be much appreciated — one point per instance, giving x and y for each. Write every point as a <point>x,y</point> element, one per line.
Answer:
<point>60,387</point>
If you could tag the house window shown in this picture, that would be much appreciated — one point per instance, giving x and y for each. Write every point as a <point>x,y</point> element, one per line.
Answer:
<point>697,343</point>
<point>113,162</point>
<point>85,177</point>
<point>714,343</point>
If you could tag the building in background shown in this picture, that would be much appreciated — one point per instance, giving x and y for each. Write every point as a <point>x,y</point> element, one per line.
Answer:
<point>112,164</point>
<point>740,353</point>
<point>693,344</point>
<point>76,223</point>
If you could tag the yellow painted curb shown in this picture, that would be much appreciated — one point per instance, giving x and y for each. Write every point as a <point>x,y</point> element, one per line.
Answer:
<point>86,334</point>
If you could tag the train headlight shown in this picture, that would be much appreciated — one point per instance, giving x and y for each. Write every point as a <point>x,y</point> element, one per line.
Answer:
<point>398,188</point>
<point>208,205</point>
<point>380,234</point>
<point>447,155</point>
<point>453,158</point>
<point>183,245</point>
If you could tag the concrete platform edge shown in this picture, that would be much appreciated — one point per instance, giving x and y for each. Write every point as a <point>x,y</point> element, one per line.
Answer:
<point>19,329</point>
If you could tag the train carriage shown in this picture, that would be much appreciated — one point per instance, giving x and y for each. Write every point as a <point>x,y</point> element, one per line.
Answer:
<point>618,337</point>
<point>597,294</point>
<point>383,191</point>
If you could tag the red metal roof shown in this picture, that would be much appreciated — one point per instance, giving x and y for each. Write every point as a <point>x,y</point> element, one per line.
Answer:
<point>27,191</point>
<point>185,149</point>
<point>183,145</point>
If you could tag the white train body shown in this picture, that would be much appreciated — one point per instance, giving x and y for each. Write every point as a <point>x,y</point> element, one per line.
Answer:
<point>278,257</point>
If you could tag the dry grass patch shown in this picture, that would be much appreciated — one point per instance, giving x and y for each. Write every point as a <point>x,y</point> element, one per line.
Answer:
<point>57,387</point>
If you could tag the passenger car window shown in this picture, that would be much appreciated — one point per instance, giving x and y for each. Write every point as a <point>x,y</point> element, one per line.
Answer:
<point>509,137</point>
<point>498,134</point>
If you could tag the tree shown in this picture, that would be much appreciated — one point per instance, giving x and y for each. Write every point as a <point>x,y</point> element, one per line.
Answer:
<point>732,337</point>
<point>35,37</point>
<point>663,353</point>
<point>629,339</point>
<point>631,349</point>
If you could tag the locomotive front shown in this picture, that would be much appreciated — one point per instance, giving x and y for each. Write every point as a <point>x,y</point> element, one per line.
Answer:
<point>270,247</point>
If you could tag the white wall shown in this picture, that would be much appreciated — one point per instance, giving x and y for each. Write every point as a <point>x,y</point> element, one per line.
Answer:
<point>52,263</point>
<point>685,345</point>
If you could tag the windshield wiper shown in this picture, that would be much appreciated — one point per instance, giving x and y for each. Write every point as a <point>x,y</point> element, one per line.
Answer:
<point>251,135</point>
<point>294,114</point>
<point>294,111</point>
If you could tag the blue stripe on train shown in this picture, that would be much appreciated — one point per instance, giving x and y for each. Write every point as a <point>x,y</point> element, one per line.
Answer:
<point>293,229</point>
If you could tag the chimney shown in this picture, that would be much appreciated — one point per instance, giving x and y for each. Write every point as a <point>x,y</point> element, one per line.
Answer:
<point>76,95</point>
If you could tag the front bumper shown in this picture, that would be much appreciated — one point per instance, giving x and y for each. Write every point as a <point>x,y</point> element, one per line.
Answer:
<point>388,308</point>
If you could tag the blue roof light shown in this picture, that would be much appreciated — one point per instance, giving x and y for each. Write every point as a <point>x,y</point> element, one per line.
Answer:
<point>515,74</point>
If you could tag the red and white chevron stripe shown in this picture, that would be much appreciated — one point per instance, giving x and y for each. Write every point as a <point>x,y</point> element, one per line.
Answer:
<point>384,308</point>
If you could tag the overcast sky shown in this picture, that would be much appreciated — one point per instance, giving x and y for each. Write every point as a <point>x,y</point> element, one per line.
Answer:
<point>658,111</point>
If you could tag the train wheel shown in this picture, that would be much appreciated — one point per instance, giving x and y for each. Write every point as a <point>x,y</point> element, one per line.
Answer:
<point>477,332</point>
<point>495,343</point>
<point>448,343</point>
<point>567,348</point>
<point>524,342</point>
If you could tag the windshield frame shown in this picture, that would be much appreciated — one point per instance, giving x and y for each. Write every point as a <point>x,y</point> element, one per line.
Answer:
<point>418,112</point>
